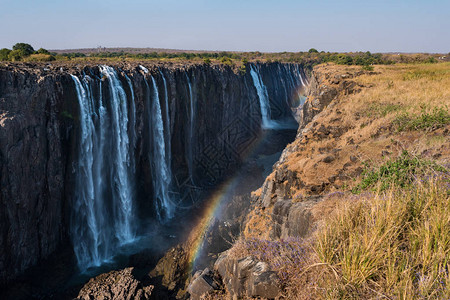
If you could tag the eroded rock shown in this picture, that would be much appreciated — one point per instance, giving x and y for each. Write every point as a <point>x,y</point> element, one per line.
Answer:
<point>115,285</point>
<point>247,277</point>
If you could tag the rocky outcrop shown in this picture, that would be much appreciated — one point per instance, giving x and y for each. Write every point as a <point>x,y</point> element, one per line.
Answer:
<point>115,285</point>
<point>247,277</point>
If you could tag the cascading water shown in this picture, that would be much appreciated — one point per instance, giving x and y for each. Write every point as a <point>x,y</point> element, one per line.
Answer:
<point>167,127</point>
<point>91,245</point>
<point>191,130</point>
<point>263,96</point>
<point>102,214</point>
<point>122,190</point>
<point>161,172</point>
<point>132,119</point>
<point>103,208</point>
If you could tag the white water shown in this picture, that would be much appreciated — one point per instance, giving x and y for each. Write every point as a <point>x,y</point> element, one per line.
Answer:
<point>263,96</point>
<point>100,223</point>
<point>132,124</point>
<point>162,175</point>
<point>167,127</point>
<point>86,220</point>
<point>143,69</point>
<point>191,131</point>
<point>122,191</point>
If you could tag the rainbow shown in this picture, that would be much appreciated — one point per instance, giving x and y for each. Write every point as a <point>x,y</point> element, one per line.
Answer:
<point>212,210</point>
<point>195,241</point>
<point>214,203</point>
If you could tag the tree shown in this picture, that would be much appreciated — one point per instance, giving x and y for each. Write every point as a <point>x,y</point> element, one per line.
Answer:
<point>42,51</point>
<point>4,54</point>
<point>16,55</point>
<point>312,50</point>
<point>25,48</point>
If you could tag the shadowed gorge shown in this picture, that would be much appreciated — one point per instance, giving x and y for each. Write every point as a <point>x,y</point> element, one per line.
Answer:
<point>97,157</point>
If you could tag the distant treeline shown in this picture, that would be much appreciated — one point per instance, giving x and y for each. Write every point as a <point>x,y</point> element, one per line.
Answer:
<point>25,52</point>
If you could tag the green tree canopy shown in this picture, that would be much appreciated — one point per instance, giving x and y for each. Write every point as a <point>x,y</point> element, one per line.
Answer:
<point>26,49</point>
<point>4,53</point>
<point>312,50</point>
<point>43,51</point>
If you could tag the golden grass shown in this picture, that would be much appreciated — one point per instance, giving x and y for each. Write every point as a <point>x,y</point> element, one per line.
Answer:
<point>408,86</point>
<point>393,245</point>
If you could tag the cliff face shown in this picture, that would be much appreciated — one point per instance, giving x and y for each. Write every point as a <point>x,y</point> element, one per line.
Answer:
<point>32,168</point>
<point>312,165</point>
<point>210,115</point>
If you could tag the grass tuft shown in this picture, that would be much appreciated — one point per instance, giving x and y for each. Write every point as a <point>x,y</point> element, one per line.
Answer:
<point>427,120</point>
<point>401,172</point>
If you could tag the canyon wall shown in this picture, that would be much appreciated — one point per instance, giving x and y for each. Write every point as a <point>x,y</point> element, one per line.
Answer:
<point>196,122</point>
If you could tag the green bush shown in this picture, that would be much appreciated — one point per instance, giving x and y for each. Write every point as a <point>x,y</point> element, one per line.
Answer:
<point>312,50</point>
<point>400,172</point>
<point>431,60</point>
<point>242,69</point>
<point>4,54</point>
<point>426,120</point>
<point>367,68</point>
<point>16,55</point>
<point>42,51</point>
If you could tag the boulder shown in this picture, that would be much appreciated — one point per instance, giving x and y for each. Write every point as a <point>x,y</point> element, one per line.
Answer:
<point>115,285</point>
<point>202,283</point>
<point>247,277</point>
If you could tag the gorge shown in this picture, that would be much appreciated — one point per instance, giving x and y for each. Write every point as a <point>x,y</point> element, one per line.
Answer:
<point>95,158</point>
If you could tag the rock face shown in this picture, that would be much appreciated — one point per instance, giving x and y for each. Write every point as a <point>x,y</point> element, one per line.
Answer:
<point>247,277</point>
<point>32,167</point>
<point>39,137</point>
<point>115,285</point>
<point>293,189</point>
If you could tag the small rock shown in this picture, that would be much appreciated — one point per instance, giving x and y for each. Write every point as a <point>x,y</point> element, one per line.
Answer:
<point>385,153</point>
<point>328,159</point>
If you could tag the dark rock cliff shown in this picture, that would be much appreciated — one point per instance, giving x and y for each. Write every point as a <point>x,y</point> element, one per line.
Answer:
<point>39,133</point>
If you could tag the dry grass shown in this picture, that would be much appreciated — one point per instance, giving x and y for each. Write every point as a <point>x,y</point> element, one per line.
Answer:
<point>289,258</point>
<point>395,245</point>
<point>391,245</point>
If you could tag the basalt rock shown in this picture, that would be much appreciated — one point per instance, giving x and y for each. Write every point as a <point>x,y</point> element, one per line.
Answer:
<point>247,277</point>
<point>115,285</point>
<point>40,129</point>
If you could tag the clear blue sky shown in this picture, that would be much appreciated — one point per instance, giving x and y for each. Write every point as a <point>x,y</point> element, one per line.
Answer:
<point>277,25</point>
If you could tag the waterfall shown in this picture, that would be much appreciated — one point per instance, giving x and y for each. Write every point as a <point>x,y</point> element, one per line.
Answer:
<point>161,172</point>
<point>263,96</point>
<point>102,209</point>
<point>191,130</point>
<point>167,127</point>
<point>122,192</point>
<point>87,220</point>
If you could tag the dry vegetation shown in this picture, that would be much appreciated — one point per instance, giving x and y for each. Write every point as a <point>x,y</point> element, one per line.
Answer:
<point>388,234</point>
